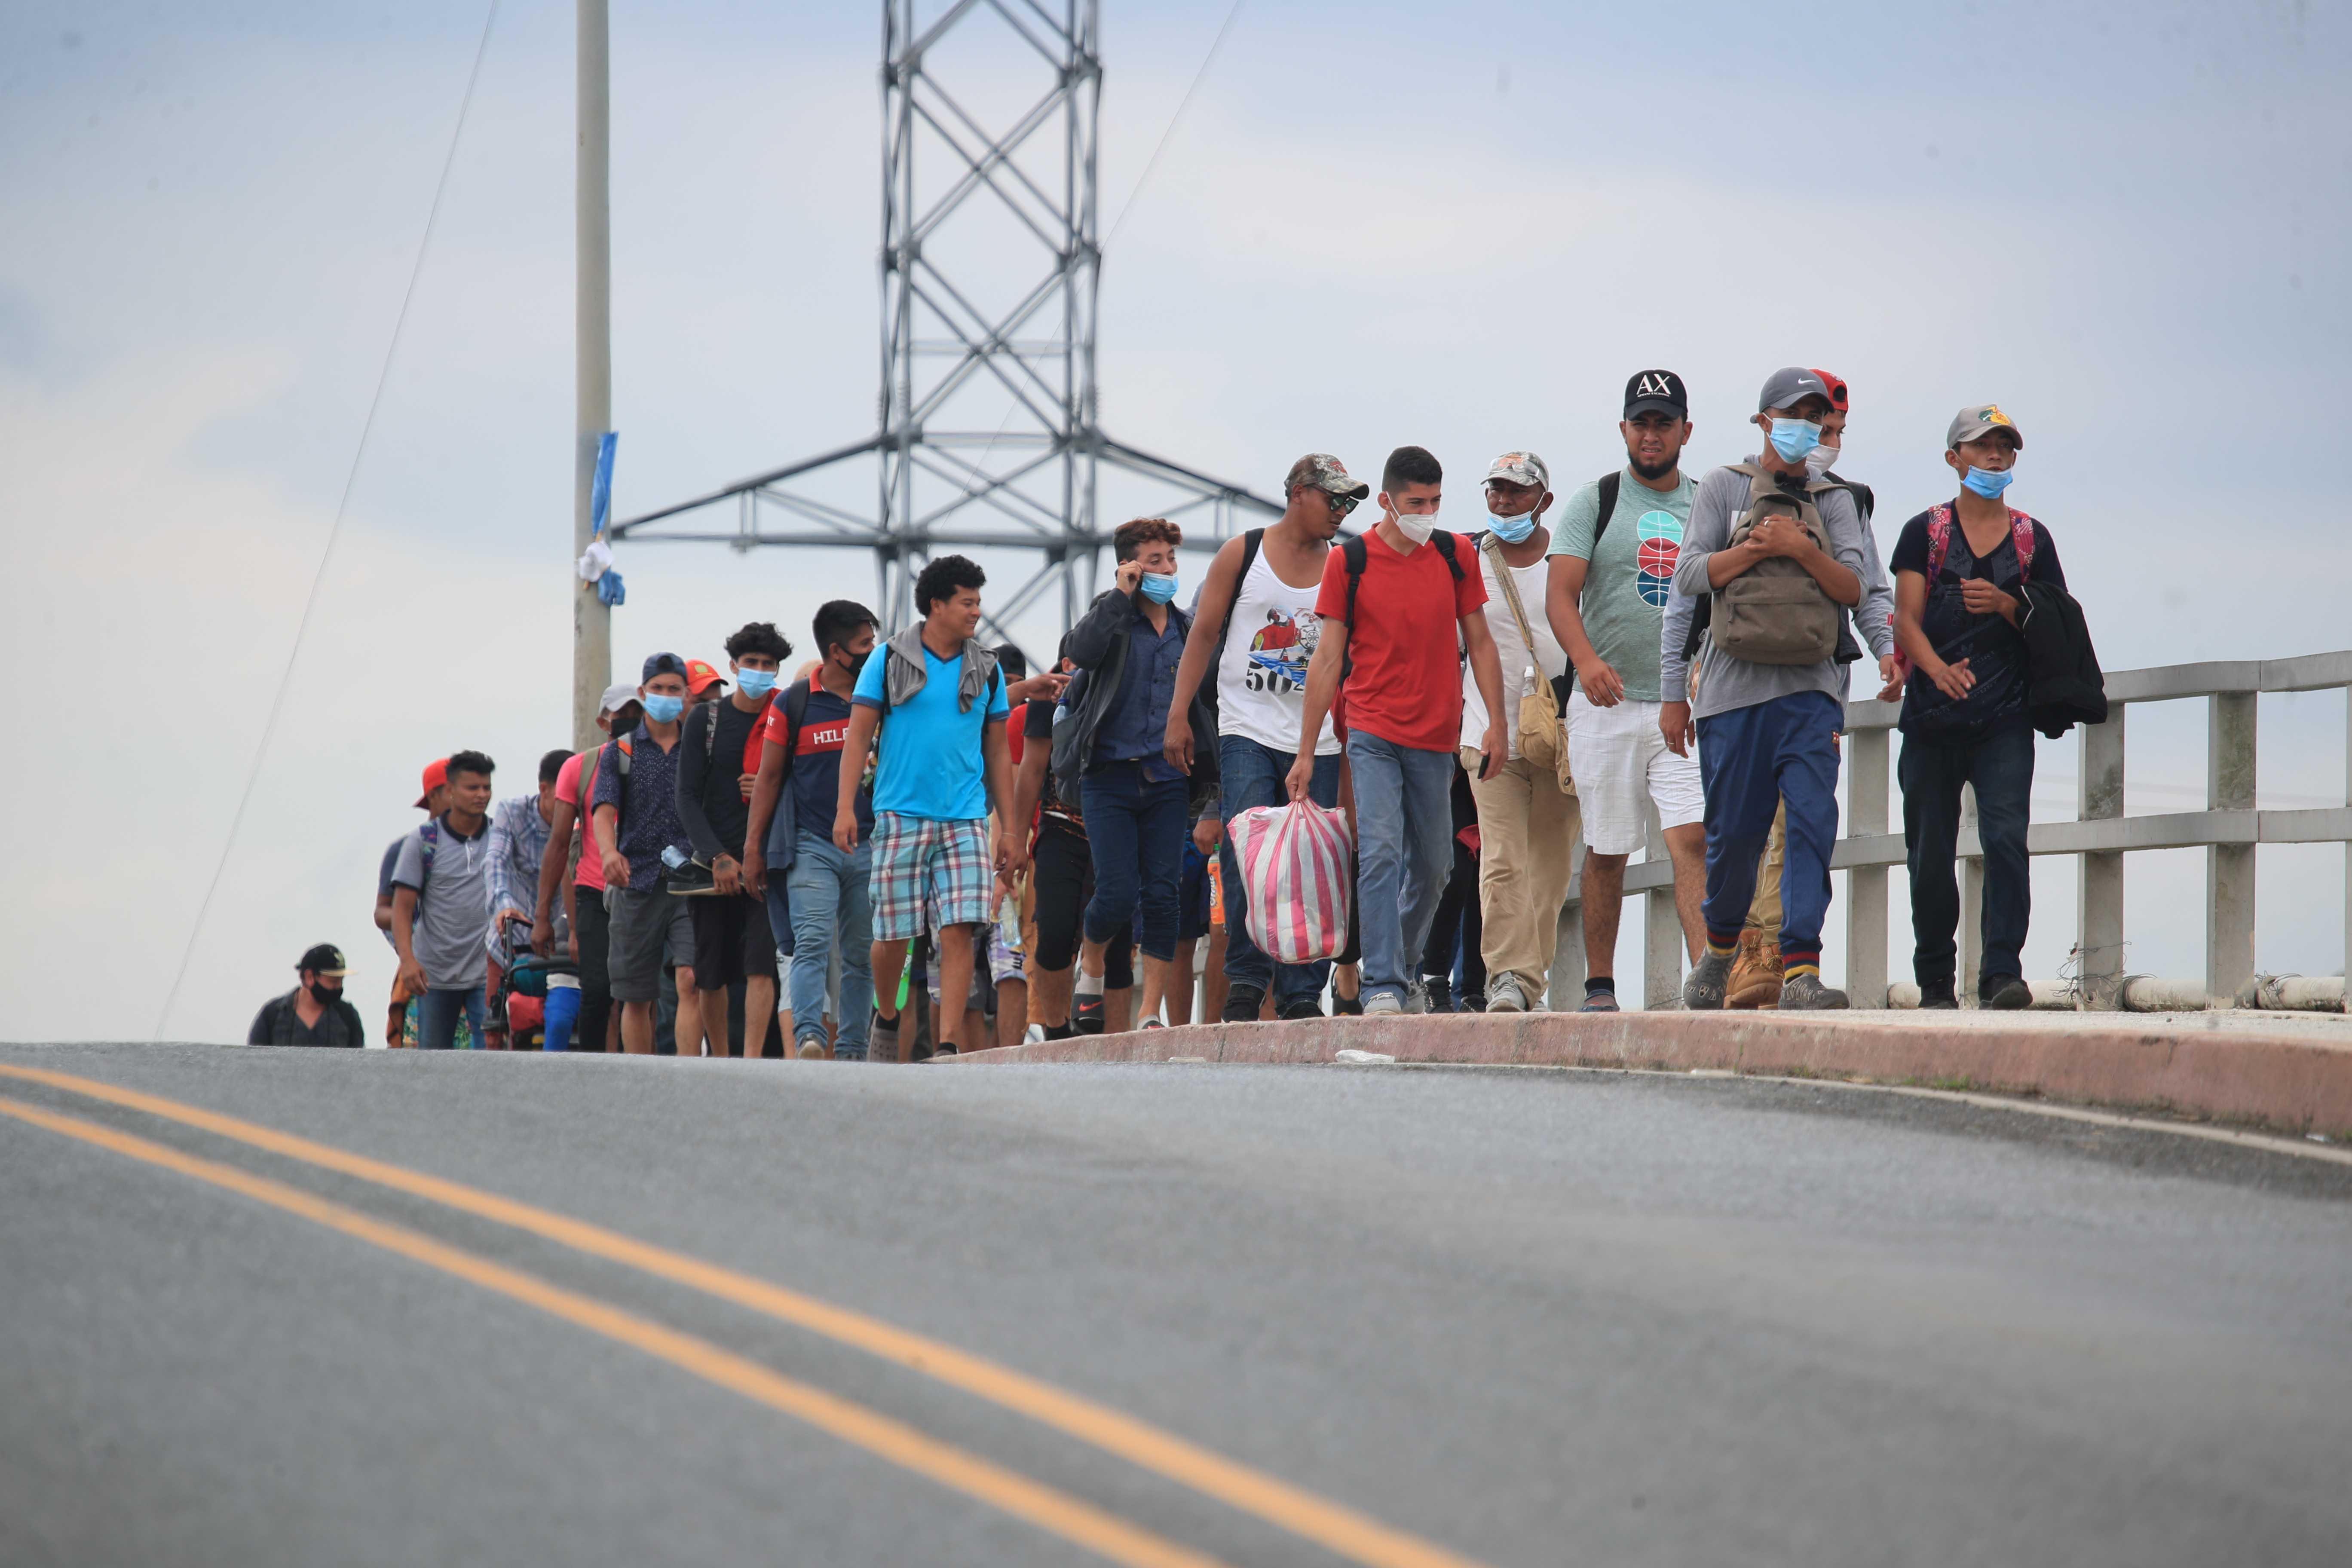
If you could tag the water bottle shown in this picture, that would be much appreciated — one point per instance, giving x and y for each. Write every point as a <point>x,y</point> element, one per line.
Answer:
<point>674,857</point>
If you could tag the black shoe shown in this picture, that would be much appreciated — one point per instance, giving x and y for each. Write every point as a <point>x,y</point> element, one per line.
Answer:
<point>1086,1013</point>
<point>2004,994</point>
<point>1306,1009</point>
<point>1439,990</point>
<point>1347,1007</point>
<point>1473,1001</point>
<point>1937,996</point>
<point>942,1051</point>
<point>691,880</point>
<point>1243,1005</point>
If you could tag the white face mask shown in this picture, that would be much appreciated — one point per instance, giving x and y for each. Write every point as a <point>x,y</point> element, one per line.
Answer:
<point>1416,528</point>
<point>1821,459</point>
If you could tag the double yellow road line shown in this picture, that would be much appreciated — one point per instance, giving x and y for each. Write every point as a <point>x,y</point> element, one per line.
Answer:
<point>1352,1535</point>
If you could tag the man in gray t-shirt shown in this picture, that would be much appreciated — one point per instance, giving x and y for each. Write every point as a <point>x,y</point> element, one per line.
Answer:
<point>441,906</point>
<point>1767,733</point>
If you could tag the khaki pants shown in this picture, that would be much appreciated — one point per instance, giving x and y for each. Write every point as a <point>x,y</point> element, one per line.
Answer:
<point>1527,826</point>
<point>1764,913</point>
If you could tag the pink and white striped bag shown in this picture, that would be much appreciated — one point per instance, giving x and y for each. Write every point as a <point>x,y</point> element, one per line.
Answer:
<point>1294,861</point>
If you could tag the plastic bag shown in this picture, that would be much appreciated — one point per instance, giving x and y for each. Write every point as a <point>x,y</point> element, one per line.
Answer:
<point>1294,863</point>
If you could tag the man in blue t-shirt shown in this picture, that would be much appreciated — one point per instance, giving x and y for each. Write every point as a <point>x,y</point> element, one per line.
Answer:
<point>940,702</point>
<point>1959,571</point>
<point>827,887</point>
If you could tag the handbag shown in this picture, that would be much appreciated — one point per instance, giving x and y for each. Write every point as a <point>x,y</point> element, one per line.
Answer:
<point>1542,738</point>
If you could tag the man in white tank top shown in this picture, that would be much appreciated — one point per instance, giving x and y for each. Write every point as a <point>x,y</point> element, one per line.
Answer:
<point>1257,624</point>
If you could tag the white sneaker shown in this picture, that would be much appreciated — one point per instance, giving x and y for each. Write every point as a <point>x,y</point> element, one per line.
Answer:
<point>1383,1005</point>
<point>1504,996</point>
<point>1416,998</point>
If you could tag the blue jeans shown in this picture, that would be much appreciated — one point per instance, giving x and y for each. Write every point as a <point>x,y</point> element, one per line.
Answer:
<point>2002,769</point>
<point>437,1016</point>
<point>1404,851</point>
<point>1252,777</point>
<point>831,903</point>
<point>1135,828</point>
<point>1750,759</point>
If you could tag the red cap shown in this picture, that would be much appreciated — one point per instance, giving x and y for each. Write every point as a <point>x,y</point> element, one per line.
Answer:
<point>1837,389</point>
<point>700,674</point>
<point>436,776</point>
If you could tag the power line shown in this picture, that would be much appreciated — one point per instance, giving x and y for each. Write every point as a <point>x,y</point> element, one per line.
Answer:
<point>1209,59</point>
<point>310,602</point>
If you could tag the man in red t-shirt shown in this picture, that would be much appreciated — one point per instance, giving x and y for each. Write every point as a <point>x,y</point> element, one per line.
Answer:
<point>1395,604</point>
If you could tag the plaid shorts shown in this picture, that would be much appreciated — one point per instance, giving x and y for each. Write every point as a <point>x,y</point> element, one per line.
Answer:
<point>928,874</point>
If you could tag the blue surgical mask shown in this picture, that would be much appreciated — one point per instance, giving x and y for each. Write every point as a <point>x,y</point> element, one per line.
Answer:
<point>1512,529</point>
<point>1159,586</point>
<point>661,708</point>
<point>1987,483</point>
<point>755,682</point>
<point>1792,438</point>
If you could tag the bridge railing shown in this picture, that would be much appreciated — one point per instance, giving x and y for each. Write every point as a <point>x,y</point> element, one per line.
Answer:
<point>2228,829</point>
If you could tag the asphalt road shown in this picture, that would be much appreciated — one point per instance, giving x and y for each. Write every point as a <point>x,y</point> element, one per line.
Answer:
<point>1365,1315</point>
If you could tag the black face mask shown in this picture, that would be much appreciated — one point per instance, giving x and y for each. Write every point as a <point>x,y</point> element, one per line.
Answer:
<point>324,995</point>
<point>856,661</point>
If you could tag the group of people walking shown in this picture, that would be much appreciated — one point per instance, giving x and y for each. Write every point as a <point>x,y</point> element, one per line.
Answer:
<point>752,863</point>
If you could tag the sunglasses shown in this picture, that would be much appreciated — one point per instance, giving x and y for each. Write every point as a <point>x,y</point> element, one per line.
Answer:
<point>1341,505</point>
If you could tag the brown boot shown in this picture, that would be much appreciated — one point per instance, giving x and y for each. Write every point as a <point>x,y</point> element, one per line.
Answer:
<point>1756,972</point>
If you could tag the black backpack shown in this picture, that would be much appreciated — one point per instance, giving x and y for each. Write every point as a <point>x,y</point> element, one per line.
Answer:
<point>1356,554</point>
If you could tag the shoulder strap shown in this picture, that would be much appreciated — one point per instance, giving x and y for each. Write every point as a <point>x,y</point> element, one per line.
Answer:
<point>796,701</point>
<point>1609,483</point>
<point>1444,540</point>
<point>1510,590</point>
<point>1250,543</point>
<point>710,711</point>
<point>2020,536</point>
<point>1939,539</point>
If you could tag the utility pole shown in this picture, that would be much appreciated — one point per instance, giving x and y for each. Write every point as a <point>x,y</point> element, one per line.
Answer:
<point>592,618</point>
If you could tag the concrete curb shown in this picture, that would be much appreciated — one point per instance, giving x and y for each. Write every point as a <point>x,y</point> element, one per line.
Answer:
<point>2295,1083</point>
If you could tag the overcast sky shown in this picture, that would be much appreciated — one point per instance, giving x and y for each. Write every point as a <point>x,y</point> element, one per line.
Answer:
<point>1462,226</point>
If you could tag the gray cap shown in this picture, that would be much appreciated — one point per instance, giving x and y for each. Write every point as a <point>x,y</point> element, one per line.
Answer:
<point>616,695</point>
<point>1975,423</point>
<point>1789,386</point>
<point>1326,473</point>
<point>1521,469</point>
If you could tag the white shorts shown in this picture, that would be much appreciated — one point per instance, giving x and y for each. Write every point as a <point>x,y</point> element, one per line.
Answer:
<point>1622,764</point>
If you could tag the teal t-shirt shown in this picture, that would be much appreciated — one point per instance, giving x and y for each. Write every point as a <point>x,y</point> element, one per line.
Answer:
<point>1625,588</point>
<point>929,761</point>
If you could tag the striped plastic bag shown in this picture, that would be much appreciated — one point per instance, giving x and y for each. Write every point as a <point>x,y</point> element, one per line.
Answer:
<point>1294,863</point>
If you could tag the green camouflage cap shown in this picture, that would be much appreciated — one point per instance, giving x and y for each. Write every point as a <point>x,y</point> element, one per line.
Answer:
<point>1325,472</point>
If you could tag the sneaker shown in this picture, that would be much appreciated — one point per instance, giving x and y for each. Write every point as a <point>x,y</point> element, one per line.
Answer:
<point>1347,1007</point>
<point>1383,1005</point>
<point>882,1038</point>
<point>942,1054</point>
<point>811,1047</point>
<point>2004,994</point>
<point>1599,1002</point>
<point>1937,996</point>
<point>1416,998</point>
<point>1153,1023</point>
<point>692,880</point>
<point>1243,1004</point>
<point>1709,979</point>
<point>1436,994</point>
<point>1086,1013</point>
<point>1504,996</point>
<point>1756,972</point>
<point>1805,992</point>
<point>1476,1002</point>
<point>1303,1009</point>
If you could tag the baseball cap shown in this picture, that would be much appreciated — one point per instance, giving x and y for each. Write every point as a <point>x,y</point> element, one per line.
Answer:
<point>436,776</point>
<point>663,664</point>
<point>616,696</point>
<point>325,958</point>
<point>1837,389</point>
<point>1656,391</point>
<point>700,674</point>
<point>1970,424</point>
<point>1326,473</point>
<point>1791,386</point>
<point>1521,469</point>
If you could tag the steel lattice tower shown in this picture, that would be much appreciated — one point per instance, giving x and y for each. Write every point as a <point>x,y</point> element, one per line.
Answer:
<point>1001,333</point>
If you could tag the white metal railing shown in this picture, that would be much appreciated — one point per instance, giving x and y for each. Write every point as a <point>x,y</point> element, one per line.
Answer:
<point>2228,829</point>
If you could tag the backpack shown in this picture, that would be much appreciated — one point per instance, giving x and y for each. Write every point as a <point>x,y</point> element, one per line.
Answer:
<point>1941,517</point>
<point>783,828</point>
<point>1774,613</point>
<point>1250,543</point>
<point>1356,555</point>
